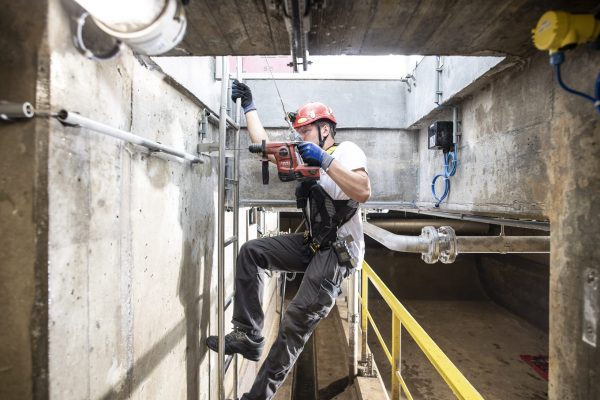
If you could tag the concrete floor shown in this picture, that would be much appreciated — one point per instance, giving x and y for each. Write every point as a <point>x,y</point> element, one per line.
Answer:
<point>483,340</point>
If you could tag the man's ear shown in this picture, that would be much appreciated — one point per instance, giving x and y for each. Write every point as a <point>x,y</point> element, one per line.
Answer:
<point>325,130</point>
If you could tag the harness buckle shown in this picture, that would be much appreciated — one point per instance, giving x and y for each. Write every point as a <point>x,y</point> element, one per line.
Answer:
<point>314,246</point>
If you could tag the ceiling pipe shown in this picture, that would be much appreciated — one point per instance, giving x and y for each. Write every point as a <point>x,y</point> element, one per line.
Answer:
<point>414,226</point>
<point>503,244</point>
<point>150,27</point>
<point>443,245</point>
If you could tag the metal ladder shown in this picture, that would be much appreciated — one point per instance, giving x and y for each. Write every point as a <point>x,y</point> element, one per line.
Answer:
<point>225,123</point>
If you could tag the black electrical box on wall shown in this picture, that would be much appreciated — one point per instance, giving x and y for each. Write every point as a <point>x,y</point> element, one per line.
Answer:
<point>439,136</point>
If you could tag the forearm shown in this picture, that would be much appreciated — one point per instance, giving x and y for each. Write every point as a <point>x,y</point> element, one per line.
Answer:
<point>255,128</point>
<point>355,184</point>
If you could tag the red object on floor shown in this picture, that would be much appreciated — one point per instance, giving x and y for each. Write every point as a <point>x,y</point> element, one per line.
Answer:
<point>538,363</point>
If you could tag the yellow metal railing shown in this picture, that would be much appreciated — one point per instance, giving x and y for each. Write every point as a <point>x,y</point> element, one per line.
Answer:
<point>461,387</point>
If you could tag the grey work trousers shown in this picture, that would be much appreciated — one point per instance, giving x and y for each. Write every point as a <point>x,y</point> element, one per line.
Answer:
<point>315,298</point>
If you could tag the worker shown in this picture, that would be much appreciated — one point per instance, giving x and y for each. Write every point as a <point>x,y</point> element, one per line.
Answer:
<point>319,254</point>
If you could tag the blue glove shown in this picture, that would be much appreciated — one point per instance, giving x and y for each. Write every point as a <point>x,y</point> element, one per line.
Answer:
<point>314,155</point>
<point>240,90</point>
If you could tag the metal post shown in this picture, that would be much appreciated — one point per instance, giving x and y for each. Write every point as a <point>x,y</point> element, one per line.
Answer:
<point>455,132</point>
<point>363,314</point>
<point>396,337</point>
<point>236,202</point>
<point>353,318</point>
<point>438,80</point>
<point>221,228</point>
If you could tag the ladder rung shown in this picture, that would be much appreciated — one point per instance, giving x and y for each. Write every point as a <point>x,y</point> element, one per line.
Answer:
<point>216,119</point>
<point>230,240</point>
<point>232,123</point>
<point>232,181</point>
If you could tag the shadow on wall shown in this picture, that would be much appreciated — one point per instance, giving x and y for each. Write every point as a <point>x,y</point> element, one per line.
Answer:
<point>197,224</point>
<point>197,220</point>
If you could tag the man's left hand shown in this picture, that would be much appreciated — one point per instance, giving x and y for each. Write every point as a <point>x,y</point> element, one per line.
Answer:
<point>314,155</point>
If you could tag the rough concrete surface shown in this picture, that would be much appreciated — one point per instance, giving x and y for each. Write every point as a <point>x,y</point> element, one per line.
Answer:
<point>23,206</point>
<point>575,259</point>
<point>504,148</point>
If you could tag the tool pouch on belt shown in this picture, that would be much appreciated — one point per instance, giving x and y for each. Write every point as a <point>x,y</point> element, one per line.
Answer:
<point>342,252</point>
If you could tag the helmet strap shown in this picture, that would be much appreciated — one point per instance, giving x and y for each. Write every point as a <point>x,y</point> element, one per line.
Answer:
<point>321,140</point>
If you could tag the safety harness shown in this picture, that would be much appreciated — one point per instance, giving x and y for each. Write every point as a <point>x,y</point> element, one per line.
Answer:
<point>324,214</point>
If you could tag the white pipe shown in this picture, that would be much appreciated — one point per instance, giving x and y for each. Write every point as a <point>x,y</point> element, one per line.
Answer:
<point>76,119</point>
<point>124,16</point>
<point>409,244</point>
<point>150,27</point>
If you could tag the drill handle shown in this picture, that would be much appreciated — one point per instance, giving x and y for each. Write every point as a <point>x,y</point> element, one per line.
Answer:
<point>265,172</point>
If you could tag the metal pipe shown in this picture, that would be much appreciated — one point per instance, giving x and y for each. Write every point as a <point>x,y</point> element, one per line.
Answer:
<point>443,245</point>
<point>503,244</point>
<point>538,225</point>
<point>10,111</point>
<point>409,244</point>
<point>414,226</point>
<point>75,119</point>
<point>438,83</point>
<point>353,320</point>
<point>236,199</point>
<point>455,127</point>
<point>221,230</point>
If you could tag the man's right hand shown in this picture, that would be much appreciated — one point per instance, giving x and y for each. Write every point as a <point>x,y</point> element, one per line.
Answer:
<point>240,90</point>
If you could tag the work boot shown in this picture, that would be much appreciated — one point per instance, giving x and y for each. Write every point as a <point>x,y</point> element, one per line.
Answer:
<point>238,342</point>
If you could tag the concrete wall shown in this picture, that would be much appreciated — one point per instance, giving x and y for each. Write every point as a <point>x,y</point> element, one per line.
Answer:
<point>23,207</point>
<point>355,103</point>
<point>530,149</point>
<point>504,147</point>
<point>392,157</point>
<point>114,296</point>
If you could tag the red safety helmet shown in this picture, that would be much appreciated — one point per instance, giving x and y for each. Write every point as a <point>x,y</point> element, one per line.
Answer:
<point>311,112</point>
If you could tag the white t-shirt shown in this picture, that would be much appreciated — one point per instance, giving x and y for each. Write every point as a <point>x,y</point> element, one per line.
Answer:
<point>352,157</point>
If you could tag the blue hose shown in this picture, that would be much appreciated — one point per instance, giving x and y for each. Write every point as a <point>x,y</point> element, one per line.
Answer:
<point>450,161</point>
<point>598,93</point>
<point>595,101</point>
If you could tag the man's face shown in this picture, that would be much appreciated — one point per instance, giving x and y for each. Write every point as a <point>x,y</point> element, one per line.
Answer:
<point>310,133</point>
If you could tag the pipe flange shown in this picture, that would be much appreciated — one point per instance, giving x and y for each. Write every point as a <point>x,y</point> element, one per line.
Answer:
<point>430,234</point>
<point>448,244</point>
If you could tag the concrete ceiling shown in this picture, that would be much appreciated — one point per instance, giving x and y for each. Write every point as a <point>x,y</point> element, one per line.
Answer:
<point>369,27</point>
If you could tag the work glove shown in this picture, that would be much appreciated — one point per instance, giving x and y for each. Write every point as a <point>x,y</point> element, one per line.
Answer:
<point>240,90</point>
<point>314,155</point>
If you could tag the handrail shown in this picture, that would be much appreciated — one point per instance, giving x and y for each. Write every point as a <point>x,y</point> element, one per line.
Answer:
<point>457,382</point>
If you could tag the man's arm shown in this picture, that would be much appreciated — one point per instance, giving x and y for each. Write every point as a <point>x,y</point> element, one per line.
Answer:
<point>255,127</point>
<point>355,183</point>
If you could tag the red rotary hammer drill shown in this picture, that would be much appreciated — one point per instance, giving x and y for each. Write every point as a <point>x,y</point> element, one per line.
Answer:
<point>290,166</point>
